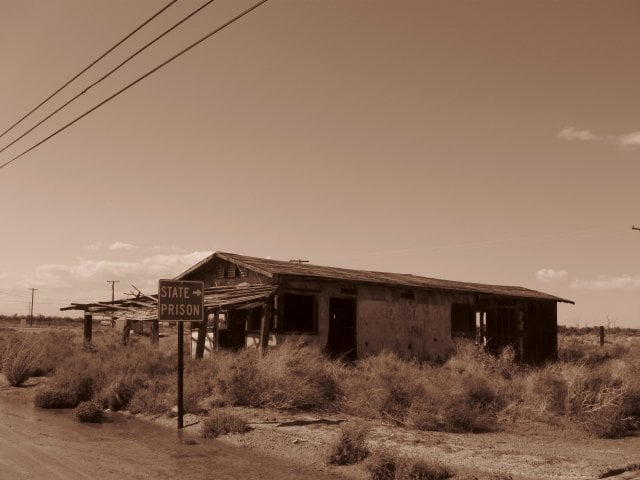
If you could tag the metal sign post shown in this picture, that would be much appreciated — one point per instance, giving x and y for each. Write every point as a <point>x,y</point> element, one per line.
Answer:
<point>180,301</point>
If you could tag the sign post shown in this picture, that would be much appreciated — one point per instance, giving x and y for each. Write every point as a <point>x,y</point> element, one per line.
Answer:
<point>180,301</point>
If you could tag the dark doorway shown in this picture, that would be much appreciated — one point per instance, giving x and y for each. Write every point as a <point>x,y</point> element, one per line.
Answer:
<point>342,328</point>
<point>232,329</point>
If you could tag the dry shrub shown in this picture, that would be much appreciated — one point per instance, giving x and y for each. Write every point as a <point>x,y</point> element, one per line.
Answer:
<point>20,358</point>
<point>108,372</point>
<point>597,400</point>
<point>550,389</point>
<point>78,376</point>
<point>223,423</point>
<point>117,394</point>
<point>55,348</point>
<point>389,465</point>
<point>199,384</point>
<point>287,377</point>
<point>52,397</point>
<point>382,464</point>
<point>89,412</point>
<point>459,397</point>
<point>350,447</point>
<point>414,469</point>
<point>152,399</point>
<point>382,386</point>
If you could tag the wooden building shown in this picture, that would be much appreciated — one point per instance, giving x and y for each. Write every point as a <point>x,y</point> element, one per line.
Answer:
<point>354,313</point>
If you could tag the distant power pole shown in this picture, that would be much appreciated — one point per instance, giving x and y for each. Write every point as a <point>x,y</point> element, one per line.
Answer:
<point>113,297</point>
<point>31,307</point>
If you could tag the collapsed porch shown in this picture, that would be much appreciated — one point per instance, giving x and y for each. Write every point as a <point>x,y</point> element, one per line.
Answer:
<point>228,299</point>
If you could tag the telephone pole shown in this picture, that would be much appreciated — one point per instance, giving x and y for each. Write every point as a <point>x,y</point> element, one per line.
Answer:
<point>113,297</point>
<point>31,307</point>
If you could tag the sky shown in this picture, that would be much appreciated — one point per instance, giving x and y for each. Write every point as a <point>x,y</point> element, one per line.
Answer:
<point>491,141</point>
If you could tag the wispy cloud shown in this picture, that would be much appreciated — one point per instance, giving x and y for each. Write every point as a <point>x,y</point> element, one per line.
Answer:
<point>120,246</point>
<point>571,133</point>
<point>607,282</point>
<point>115,246</point>
<point>85,278</point>
<point>627,141</point>
<point>549,274</point>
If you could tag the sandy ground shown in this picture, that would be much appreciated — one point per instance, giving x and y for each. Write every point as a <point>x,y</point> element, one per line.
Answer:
<point>36,444</point>
<point>531,454</point>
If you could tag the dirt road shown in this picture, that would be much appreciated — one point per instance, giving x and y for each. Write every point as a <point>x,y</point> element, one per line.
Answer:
<point>39,444</point>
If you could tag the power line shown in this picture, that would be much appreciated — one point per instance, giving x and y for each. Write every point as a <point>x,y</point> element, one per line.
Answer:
<point>139,79</point>
<point>104,77</point>
<point>547,237</point>
<point>89,66</point>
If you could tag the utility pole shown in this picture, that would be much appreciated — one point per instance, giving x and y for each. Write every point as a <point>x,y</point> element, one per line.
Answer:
<point>31,307</point>
<point>113,297</point>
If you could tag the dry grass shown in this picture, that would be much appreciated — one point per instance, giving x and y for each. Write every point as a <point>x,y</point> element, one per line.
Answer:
<point>223,423</point>
<point>459,396</point>
<point>289,377</point>
<point>593,388</point>
<point>387,464</point>
<point>20,358</point>
<point>351,446</point>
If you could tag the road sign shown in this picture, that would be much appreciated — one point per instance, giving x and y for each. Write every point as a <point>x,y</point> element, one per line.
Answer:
<point>180,301</point>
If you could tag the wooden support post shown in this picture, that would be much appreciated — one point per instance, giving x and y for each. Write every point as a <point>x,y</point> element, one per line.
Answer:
<point>88,324</point>
<point>155,333</point>
<point>216,330</point>
<point>125,331</point>
<point>202,337</point>
<point>265,322</point>
<point>602,336</point>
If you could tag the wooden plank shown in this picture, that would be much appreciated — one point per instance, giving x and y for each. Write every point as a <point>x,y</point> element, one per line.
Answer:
<point>265,321</point>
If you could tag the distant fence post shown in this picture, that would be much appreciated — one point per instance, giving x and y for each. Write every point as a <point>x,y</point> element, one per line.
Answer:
<point>602,336</point>
<point>88,322</point>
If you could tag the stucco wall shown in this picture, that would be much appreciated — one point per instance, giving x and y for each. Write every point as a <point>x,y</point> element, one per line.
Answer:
<point>419,327</point>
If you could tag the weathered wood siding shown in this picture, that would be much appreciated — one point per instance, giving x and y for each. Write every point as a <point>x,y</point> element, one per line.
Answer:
<point>541,332</point>
<point>210,278</point>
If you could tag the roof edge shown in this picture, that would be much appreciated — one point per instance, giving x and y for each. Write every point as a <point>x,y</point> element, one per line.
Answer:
<point>224,256</point>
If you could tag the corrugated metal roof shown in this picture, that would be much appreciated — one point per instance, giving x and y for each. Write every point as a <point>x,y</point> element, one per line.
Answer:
<point>271,267</point>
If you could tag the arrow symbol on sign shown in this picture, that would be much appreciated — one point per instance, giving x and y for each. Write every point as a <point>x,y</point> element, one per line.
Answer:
<point>197,293</point>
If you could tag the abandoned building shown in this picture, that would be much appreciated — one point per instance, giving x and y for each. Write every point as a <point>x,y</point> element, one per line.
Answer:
<point>354,313</point>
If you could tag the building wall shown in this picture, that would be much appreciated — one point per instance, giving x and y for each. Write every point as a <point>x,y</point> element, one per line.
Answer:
<point>385,320</point>
<point>419,327</point>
